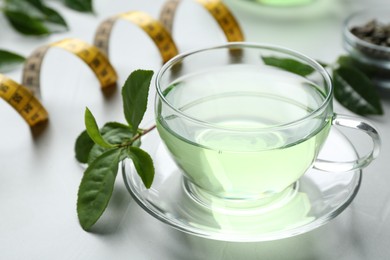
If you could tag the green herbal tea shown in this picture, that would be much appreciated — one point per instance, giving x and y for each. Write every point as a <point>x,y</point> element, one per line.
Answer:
<point>235,153</point>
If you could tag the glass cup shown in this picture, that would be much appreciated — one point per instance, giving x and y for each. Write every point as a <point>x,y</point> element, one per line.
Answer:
<point>366,53</point>
<point>283,3</point>
<point>244,132</point>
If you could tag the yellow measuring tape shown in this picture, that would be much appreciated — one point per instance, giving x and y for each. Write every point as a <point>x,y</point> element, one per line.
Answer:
<point>23,97</point>
<point>90,54</point>
<point>23,101</point>
<point>216,8</point>
<point>156,31</point>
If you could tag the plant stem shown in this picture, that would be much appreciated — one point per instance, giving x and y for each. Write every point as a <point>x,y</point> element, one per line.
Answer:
<point>138,136</point>
<point>143,132</point>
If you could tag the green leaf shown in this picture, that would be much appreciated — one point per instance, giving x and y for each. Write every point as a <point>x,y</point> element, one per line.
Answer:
<point>113,125</point>
<point>290,65</point>
<point>96,188</point>
<point>54,21</point>
<point>135,97</point>
<point>114,133</point>
<point>95,152</point>
<point>118,135</point>
<point>80,5</point>
<point>48,14</point>
<point>93,130</point>
<point>25,24</point>
<point>354,90</point>
<point>9,61</point>
<point>83,147</point>
<point>143,163</point>
<point>348,61</point>
<point>32,17</point>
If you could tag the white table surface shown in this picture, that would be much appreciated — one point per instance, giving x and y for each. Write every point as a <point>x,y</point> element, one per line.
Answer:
<point>39,177</point>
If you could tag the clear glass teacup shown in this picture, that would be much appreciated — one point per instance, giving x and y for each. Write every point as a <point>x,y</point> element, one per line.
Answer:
<point>244,131</point>
<point>283,3</point>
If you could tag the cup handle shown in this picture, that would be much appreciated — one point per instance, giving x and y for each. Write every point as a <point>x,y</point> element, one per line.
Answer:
<point>358,124</point>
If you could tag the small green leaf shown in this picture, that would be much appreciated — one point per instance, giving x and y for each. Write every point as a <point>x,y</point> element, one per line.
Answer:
<point>54,21</point>
<point>9,61</point>
<point>354,90</point>
<point>118,135</point>
<point>93,130</point>
<point>95,152</point>
<point>48,14</point>
<point>114,133</point>
<point>80,5</point>
<point>26,24</point>
<point>143,163</point>
<point>290,65</point>
<point>348,61</point>
<point>135,97</point>
<point>83,147</point>
<point>96,188</point>
<point>113,125</point>
<point>33,17</point>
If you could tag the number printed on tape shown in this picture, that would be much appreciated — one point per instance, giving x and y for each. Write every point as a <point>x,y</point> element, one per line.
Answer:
<point>90,54</point>
<point>23,101</point>
<point>154,29</point>
<point>216,8</point>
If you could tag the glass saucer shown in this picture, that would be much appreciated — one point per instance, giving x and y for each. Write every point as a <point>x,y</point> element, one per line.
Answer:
<point>320,197</point>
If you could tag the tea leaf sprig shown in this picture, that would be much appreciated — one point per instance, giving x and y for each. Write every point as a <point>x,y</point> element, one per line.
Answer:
<point>352,81</point>
<point>104,148</point>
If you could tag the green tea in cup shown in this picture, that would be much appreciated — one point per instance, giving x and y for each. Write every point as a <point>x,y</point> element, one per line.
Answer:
<point>242,131</point>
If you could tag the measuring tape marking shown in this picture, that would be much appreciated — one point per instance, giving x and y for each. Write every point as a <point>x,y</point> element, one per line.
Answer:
<point>218,11</point>
<point>156,31</point>
<point>23,101</point>
<point>167,14</point>
<point>90,54</point>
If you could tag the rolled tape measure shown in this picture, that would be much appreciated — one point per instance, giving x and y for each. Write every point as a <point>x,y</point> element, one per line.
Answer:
<point>216,8</point>
<point>156,31</point>
<point>23,101</point>
<point>90,54</point>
